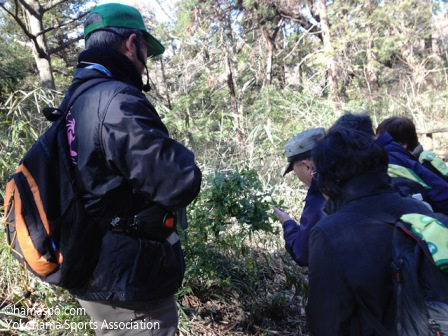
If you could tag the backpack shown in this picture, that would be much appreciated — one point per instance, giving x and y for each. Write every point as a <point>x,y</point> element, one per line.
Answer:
<point>47,228</point>
<point>420,264</point>
<point>408,184</point>
<point>434,164</point>
<point>420,276</point>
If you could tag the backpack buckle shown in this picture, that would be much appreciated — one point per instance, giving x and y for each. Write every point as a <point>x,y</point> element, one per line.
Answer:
<point>119,224</point>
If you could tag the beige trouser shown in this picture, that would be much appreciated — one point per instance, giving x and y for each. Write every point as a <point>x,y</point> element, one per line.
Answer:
<point>156,318</point>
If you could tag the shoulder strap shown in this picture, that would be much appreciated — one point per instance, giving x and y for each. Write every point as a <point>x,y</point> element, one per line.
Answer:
<point>80,90</point>
<point>53,114</point>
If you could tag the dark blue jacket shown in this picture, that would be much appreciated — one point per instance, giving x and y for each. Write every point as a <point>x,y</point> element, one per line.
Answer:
<point>350,259</point>
<point>438,194</point>
<point>296,237</point>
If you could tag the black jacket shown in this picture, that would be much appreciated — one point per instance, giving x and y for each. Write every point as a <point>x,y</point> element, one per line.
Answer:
<point>350,259</point>
<point>125,161</point>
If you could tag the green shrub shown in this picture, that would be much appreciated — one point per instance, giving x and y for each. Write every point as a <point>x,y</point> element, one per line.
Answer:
<point>230,211</point>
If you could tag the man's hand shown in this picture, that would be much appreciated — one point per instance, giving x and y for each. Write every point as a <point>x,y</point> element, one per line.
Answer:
<point>282,215</point>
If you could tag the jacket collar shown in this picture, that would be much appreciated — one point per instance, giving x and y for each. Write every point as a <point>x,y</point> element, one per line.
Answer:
<point>391,146</point>
<point>359,187</point>
<point>385,139</point>
<point>109,63</point>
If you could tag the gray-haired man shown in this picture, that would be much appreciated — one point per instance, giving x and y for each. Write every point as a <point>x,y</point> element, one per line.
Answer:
<point>298,151</point>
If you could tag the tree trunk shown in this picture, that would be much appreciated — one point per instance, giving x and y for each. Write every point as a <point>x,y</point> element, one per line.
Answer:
<point>229,80</point>
<point>270,57</point>
<point>229,74</point>
<point>269,42</point>
<point>40,49</point>
<point>328,47</point>
<point>372,78</point>
<point>428,44</point>
<point>166,85</point>
<point>45,70</point>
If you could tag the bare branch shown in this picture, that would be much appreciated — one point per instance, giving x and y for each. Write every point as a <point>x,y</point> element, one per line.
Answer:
<point>25,31</point>
<point>276,30</point>
<point>50,4</point>
<point>65,45</point>
<point>62,24</point>
<point>16,8</point>
<point>19,21</point>
<point>62,72</point>
<point>305,24</point>
<point>164,11</point>
<point>298,42</point>
<point>28,8</point>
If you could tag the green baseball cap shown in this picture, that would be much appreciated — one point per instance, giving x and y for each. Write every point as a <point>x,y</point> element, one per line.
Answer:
<point>122,16</point>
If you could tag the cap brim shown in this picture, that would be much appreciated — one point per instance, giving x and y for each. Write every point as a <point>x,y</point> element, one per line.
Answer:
<point>155,48</point>
<point>289,168</point>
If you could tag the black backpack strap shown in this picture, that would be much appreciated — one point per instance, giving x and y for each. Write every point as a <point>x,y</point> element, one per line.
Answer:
<point>80,90</point>
<point>53,114</point>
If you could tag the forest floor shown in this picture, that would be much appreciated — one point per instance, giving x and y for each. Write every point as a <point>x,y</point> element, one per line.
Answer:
<point>266,300</point>
<point>277,313</point>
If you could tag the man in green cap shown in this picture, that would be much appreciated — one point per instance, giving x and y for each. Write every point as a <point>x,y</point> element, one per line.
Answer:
<point>134,179</point>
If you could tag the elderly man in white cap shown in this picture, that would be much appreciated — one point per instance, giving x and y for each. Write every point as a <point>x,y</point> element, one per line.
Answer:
<point>298,151</point>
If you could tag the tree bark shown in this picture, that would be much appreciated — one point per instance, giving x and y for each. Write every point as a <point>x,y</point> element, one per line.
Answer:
<point>372,78</point>
<point>270,57</point>
<point>33,28</point>
<point>328,47</point>
<point>269,41</point>
<point>166,85</point>
<point>225,50</point>
<point>39,47</point>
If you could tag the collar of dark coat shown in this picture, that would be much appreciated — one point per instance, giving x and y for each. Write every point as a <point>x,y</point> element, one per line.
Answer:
<point>359,187</point>
<point>119,65</point>
<point>391,146</point>
<point>385,139</point>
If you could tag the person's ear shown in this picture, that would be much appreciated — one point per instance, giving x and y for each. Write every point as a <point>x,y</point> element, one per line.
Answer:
<point>308,165</point>
<point>130,48</point>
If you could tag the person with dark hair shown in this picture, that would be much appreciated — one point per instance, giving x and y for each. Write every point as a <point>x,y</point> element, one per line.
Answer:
<point>350,278</point>
<point>399,138</point>
<point>402,130</point>
<point>298,151</point>
<point>134,179</point>
<point>357,121</point>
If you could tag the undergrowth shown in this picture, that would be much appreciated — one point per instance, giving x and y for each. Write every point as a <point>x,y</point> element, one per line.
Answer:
<point>238,277</point>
